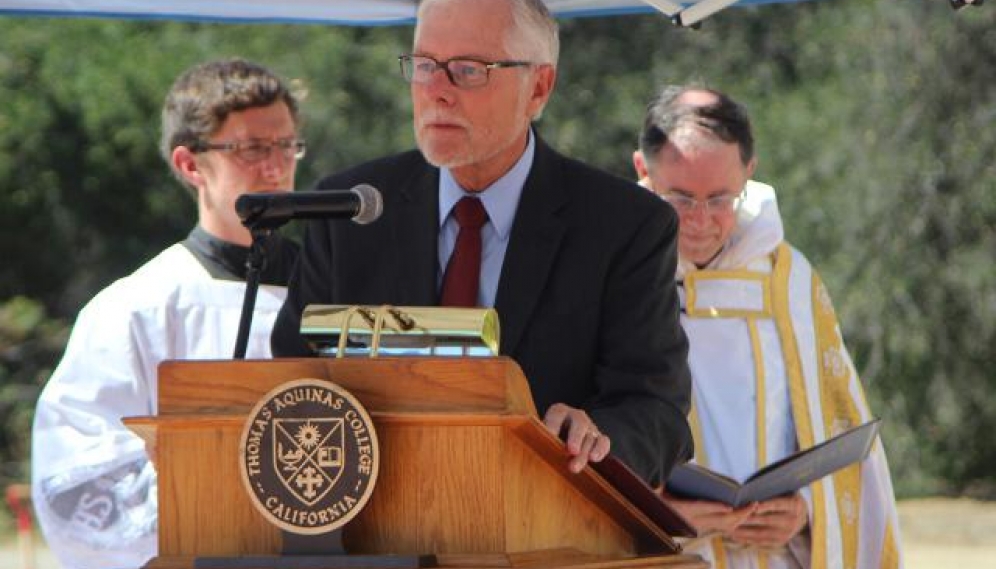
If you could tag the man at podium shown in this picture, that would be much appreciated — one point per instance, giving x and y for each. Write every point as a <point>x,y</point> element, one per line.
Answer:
<point>578,264</point>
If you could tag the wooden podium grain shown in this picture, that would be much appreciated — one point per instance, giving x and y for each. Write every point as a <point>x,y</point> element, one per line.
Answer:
<point>468,472</point>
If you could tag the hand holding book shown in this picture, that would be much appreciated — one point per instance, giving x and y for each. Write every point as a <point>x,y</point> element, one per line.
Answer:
<point>708,517</point>
<point>771,523</point>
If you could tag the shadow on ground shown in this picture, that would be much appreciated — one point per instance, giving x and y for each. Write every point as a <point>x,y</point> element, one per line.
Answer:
<point>937,533</point>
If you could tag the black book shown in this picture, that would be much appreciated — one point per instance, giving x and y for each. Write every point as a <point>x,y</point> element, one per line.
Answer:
<point>778,478</point>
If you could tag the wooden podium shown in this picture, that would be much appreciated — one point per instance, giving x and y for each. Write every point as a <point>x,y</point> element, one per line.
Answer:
<point>468,472</point>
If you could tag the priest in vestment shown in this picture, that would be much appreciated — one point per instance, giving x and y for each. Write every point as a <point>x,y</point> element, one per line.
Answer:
<point>770,372</point>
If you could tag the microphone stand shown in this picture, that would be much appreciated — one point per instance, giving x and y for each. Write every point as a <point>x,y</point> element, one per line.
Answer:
<point>254,266</point>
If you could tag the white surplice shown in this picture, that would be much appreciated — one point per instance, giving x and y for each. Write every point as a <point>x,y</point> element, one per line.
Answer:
<point>93,487</point>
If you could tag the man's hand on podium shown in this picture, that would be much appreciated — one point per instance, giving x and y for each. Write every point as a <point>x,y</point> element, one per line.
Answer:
<point>584,441</point>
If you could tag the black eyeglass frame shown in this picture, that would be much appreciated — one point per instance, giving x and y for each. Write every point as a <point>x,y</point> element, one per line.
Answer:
<point>409,72</point>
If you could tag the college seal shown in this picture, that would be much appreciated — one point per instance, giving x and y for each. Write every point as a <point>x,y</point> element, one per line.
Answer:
<point>309,456</point>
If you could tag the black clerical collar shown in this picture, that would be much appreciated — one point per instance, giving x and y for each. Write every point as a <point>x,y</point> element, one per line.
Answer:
<point>227,261</point>
<point>222,259</point>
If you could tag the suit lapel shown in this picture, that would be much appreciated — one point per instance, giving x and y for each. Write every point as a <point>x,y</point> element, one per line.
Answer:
<point>536,236</point>
<point>415,239</point>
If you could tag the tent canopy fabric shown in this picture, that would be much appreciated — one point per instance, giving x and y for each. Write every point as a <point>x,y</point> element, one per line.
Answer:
<point>342,12</point>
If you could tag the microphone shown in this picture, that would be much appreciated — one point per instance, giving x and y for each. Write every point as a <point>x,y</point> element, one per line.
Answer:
<point>269,210</point>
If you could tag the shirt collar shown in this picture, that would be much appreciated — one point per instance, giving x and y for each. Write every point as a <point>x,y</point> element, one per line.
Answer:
<point>500,199</point>
<point>227,261</point>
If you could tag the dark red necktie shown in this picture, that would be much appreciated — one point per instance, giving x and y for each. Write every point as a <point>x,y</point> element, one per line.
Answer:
<point>463,271</point>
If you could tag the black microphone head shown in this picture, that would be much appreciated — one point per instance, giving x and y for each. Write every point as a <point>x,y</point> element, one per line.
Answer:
<point>250,206</point>
<point>371,204</point>
<point>264,210</point>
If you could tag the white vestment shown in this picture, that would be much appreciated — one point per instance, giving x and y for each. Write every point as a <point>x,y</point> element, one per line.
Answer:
<point>93,487</point>
<point>759,321</point>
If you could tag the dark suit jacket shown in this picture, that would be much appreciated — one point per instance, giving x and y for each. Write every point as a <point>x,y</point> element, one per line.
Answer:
<point>586,299</point>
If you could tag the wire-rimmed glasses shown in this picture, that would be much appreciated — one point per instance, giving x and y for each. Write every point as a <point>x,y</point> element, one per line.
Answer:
<point>256,150</point>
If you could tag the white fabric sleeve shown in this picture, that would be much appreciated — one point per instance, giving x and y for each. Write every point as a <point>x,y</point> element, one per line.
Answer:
<point>93,486</point>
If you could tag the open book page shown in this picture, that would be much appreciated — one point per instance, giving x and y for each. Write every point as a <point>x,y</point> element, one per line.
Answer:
<point>778,478</point>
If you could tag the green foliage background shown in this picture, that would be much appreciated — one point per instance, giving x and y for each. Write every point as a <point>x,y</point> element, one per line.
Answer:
<point>875,120</point>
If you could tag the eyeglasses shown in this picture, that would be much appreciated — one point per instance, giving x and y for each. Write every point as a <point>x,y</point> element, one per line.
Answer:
<point>255,150</point>
<point>462,71</point>
<point>725,203</point>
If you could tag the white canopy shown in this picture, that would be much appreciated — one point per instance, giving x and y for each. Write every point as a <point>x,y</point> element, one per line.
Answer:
<point>347,12</point>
